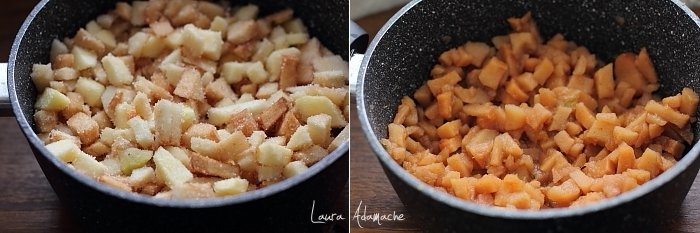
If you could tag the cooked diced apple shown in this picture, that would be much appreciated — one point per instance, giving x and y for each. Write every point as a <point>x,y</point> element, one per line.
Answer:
<point>273,155</point>
<point>83,59</point>
<point>313,105</point>
<point>294,168</point>
<point>230,186</point>
<point>91,91</point>
<point>66,150</point>
<point>141,176</point>
<point>117,72</point>
<point>169,169</point>
<point>133,158</point>
<point>52,100</point>
<point>492,74</point>
<point>300,139</point>
<point>41,76</point>
<point>202,42</point>
<point>88,165</point>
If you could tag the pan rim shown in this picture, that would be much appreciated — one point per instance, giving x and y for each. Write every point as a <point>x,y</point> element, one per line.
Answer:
<point>431,192</point>
<point>40,150</point>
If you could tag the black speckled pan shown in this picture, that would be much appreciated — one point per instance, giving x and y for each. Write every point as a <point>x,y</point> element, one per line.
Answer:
<point>98,208</point>
<point>399,61</point>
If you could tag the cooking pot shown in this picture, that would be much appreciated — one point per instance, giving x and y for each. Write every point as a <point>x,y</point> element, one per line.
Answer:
<point>99,208</point>
<point>400,58</point>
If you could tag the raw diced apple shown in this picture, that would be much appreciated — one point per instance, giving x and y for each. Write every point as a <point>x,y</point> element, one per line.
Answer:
<point>202,42</point>
<point>41,76</point>
<point>141,176</point>
<point>273,155</point>
<point>66,150</point>
<point>168,122</point>
<point>83,59</point>
<point>274,61</point>
<point>313,105</point>
<point>91,91</point>
<point>256,73</point>
<point>142,132</point>
<point>300,139</point>
<point>133,158</point>
<point>294,168</point>
<point>169,169</point>
<point>117,72</point>
<point>87,165</point>
<point>221,115</point>
<point>233,71</point>
<point>52,100</point>
<point>230,186</point>
<point>320,129</point>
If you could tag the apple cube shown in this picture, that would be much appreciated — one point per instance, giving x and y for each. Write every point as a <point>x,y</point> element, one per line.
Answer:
<point>309,106</point>
<point>52,100</point>
<point>169,169</point>
<point>66,150</point>
<point>133,158</point>
<point>294,168</point>
<point>273,155</point>
<point>229,187</point>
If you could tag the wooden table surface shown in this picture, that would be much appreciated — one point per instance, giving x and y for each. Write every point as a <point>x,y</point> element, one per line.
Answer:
<point>370,185</point>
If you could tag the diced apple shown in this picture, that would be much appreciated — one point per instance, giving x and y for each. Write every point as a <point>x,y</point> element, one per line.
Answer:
<point>83,59</point>
<point>273,155</point>
<point>142,132</point>
<point>66,150</point>
<point>118,73</point>
<point>169,169</point>
<point>229,187</point>
<point>308,106</point>
<point>133,158</point>
<point>202,42</point>
<point>221,115</point>
<point>52,100</point>
<point>320,129</point>
<point>233,72</point>
<point>41,76</point>
<point>294,168</point>
<point>91,91</point>
<point>168,122</point>
<point>141,176</point>
<point>256,73</point>
<point>300,139</point>
<point>88,165</point>
<point>273,64</point>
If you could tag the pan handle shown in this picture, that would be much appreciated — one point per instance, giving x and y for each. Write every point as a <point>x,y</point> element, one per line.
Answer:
<point>358,45</point>
<point>5,108</point>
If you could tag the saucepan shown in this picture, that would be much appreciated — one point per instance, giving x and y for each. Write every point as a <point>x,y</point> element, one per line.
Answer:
<point>400,57</point>
<point>277,208</point>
